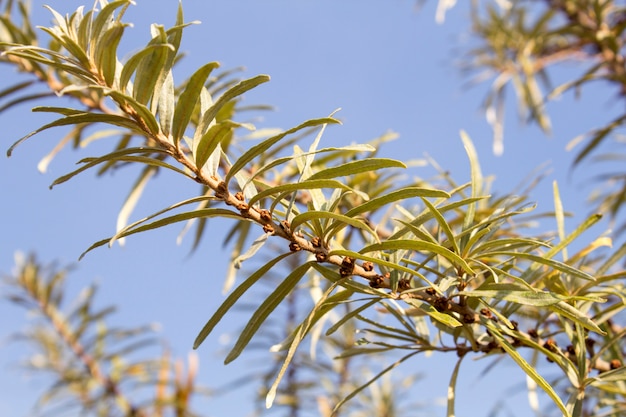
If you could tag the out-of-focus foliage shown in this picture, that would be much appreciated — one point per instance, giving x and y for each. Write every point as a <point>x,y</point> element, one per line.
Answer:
<point>521,44</point>
<point>415,266</point>
<point>96,369</point>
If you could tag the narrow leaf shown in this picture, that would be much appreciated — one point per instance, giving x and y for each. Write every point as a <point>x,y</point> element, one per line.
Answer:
<point>401,194</point>
<point>564,309</point>
<point>304,185</point>
<point>542,260</point>
<point>146,117</point>
<point>452,388</point>
<point>106,55</point>
<point>443,224</point>
<point>133,62</point>
<point>477,179</point>
<point>83,118</point>
<point>527,368</point>
<point>377,376</point>
<point>262,147</point>
<point>340,222</point>
<point>357,167</point>
<point>152,68</point>
<point>210,141</point>
<point>133,197</point>
<point>117,156</point>
<point>166,105</point>
<point>188,100</point>
<point>233,297</point>
<point>230,94</point>
<point>260,315</point>
<point>419,245</point>
<point>209,212</point>
<point>319,310</point>
<point>254,248</point>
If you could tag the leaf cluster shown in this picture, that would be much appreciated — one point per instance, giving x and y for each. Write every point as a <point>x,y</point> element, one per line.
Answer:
<point>95,368</point>
<point>450,266</point>
<point>519,45</point>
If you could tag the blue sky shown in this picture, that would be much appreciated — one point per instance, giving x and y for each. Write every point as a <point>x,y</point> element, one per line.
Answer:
<point>386,65</point>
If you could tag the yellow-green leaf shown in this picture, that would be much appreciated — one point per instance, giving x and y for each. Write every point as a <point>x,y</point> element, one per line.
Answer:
<point>357,167</point>
<point>233,297</point>
<point>422,246</point>
<point>262,147</point>
<point>188,99</point>
<point>269,304</point>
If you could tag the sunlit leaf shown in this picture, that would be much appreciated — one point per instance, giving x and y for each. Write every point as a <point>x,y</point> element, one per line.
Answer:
<point>211,140</point>
<point>152,68</point>
<point>132,199</point>
<point>147,118</point>
<point>527,368</point>
<point>542,260</point>
<point>397,195</point>
<point>422,246</point>
<point>304,185</point>
<point>123,155</point>
<point>106,55</point>
<point>233,297</point>
<point>323,305</point>
<point>262,147</point>
<point>452,388</point>
<point>133,62</point>
<point>443,318</point>
<point>564,309</point>
<point>208,212</point>
<point>211,113</point>
<point>79,118</point>
<point>254,248</point>
<point>188,99</point>
<point>356,167</point>
<point>340,221</point>
<point>514,294</point>
<point>443,224</point>
<point>260,315</point>
<point>376,377</point>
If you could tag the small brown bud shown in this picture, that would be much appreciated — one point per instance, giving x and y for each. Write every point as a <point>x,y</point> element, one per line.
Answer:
<point>316,242</point>
<point>243,208</point>
<point>431,291</point>
<point>469,318</point>
<point>493,345</point>
<point>268,228</point>
<point>615,363</point>
<point>368,266</point>
<point>285,226</point>
<point>294,247</point>
<point>320,256</point>
<point>222,190</point>
<point>441,304</point>
<point>551,345</point>
<point>347,266</point>
<point>266,216</point>
<point>377,282</point>
<point>404,284</point>
<point>239,196</point>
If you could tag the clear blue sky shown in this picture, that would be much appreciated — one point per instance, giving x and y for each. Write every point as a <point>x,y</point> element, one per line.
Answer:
<point>387,66</point>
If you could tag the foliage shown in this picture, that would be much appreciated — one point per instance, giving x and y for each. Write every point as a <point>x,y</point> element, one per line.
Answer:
<point>519,44</point>
<point>416,266</point>
<point>96,367</point>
